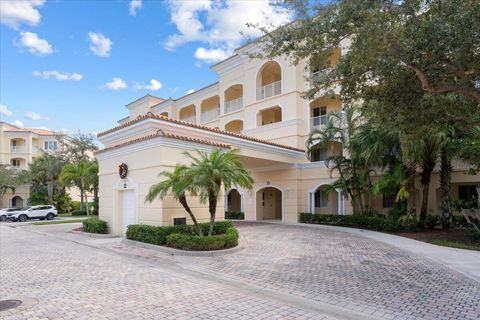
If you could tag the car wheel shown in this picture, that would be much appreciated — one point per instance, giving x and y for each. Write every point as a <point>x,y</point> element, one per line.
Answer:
<point>50,216</point>
<point>3,218</point>
<point>22,218</point>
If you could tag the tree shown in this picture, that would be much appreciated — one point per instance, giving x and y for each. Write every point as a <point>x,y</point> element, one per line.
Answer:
<point>9,180</point>
<point>208,172</point>
<point>45,170</point>
<point>179,183</point>
<point>80,174</point>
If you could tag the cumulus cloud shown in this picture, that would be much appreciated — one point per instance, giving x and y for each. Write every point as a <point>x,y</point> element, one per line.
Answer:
<point>221,24</point>
<point>116,84</point>
<point>35,116</point>
<point>34,44</point>
<point>60,76</point>
<point>18,123</point>
<point>14,13</point>
<point>99,44</point>
<point>134,5</point>
<point>153,86</point>
<point>190,91</point>
<point>4,110</point>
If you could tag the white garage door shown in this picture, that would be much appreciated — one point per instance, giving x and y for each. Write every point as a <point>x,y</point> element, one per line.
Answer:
<point>128,210</point>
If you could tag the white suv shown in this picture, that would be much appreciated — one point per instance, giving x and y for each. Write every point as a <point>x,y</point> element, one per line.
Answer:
<point>35,212</point>
<point>4,213</point>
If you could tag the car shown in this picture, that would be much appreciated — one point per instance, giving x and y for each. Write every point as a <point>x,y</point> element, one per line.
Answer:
<point>35,212</point>
<point>5,211</point>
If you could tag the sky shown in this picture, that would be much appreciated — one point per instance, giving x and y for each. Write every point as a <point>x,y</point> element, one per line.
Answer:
<point>73,65</point>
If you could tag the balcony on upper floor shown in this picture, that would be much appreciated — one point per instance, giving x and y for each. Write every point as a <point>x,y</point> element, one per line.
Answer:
<point>319,110</point>
<point>233,98</point>
<point>318,122</point>
<point>18,145</point>
<point>188,114</point>
<point>210,115</point>
<point>269,80</point>
<point>269,90</point>
<point>234,105</point>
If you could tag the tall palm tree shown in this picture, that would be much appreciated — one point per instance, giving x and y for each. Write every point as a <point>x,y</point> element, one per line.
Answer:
<point>209,171</point>
<point>46,170</point>
<point>179,183</point>
<point>79,174</point>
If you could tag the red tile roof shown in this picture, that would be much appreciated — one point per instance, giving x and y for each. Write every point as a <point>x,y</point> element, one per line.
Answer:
<point>198,126</point>
<point>161,133</point>
<point>42,132</point>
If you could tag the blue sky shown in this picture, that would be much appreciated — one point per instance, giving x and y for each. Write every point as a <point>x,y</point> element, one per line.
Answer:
<point>73,65</point>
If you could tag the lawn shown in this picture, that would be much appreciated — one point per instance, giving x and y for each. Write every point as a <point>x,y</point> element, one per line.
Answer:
<point>41,223</point>
<point>70,215</point>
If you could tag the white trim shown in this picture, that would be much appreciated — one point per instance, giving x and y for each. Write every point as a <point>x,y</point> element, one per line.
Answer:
<point>255,200</point>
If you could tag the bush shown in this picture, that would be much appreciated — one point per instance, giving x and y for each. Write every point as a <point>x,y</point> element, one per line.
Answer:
<point>473,235</point>
<point>197,243</point>
<point>234,215</point>
<point>79,213</point>
<point>396,213</point>
<point>409,223</point>
<point>95,225</point>
<point>431,221</point>
<point>158,234</point>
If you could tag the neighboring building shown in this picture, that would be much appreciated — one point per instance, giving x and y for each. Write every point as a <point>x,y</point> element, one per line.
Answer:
<point>255,106</point>
<point>18,148</point>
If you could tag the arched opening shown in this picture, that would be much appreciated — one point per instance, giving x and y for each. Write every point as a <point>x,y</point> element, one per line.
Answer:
<point>18,164</point>
<point>269,80</point>
<point>233,98</point>
<point>210,109</point>
<point>165,114</point>
<point>325,201</point>
<point>325,151</point>
<point>235,126</point>
<point>188,114</point>
<point>16,202</point>
<point>269,116</point>
<point>319,108</point>
<point>234,201</point>
<point>18,145</point>
<point>269,204</point>
<point>320,67</point>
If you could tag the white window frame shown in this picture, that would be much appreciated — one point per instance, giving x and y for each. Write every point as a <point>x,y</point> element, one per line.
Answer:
<point>48,147</point>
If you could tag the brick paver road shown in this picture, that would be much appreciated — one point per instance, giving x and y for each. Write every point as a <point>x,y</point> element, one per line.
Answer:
<point>326,268</point>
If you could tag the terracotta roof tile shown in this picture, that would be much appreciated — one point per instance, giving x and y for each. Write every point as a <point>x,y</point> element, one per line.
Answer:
<point>161,133</point>
<point>198,126</point>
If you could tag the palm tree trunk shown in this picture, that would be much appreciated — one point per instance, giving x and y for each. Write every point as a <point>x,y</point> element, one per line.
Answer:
<point>183,201</point>
<point>411,201</point>
<point>81,199</point>
<point>212,206</point>
<point>425,180</point>
<point>50,192</point>
<point>445,179</point>
<point>82,188</point>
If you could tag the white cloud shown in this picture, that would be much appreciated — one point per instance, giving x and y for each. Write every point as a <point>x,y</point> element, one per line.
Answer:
<point>220,24</point>
<point>18,123</point>
<point>116,84</point>
<point>35,116</point>
<point>99,44</point>
<point>134,5</point>
<point>60,76</point>
<point>190,91</point>
<point>34,44</point>
<point>14,13</point>
<point>4,110</point>
<point>153,86</point>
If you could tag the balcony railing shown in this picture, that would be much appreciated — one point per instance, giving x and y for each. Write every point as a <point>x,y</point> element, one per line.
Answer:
<point>319,75</point>
<point>191,119</point>
<point>318,122</point>
<point>17,149</point>
<point>234,105</point>
<point>210,115</point>
<point>269,90</point>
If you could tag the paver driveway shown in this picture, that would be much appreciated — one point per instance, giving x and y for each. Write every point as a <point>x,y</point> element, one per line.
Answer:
<point>317,268</point>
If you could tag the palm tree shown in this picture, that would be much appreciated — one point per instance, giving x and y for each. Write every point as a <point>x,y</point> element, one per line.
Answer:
<point>79,174</point>
<point>209,171</point>
<point>179,183</point>
<point>46,170</point>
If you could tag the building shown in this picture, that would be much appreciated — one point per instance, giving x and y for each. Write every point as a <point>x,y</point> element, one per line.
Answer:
<point>255,106</point>
<point>18,148</point>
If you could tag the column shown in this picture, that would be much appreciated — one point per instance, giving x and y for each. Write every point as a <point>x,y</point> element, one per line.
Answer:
<point>341,210</point>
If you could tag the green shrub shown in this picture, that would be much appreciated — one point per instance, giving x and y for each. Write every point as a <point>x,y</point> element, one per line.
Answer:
<point>95,225</point>
<point>158,234</point>
<point>373,222</point>
<point>234,215</point>
<point>392,225</point>
<point>431,221</point>
<point>396,213</point>
<point>409,223</point>
<point>473,235</point>
<point>205,243</point>
<point>79,213</point>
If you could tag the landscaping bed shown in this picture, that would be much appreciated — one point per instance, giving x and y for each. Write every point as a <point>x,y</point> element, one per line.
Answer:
<point>455,238</point>
<point>184,237</point>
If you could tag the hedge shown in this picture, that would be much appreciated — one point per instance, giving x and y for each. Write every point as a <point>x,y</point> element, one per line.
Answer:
<point>234,215</point>
<point>95,225</point>
<point>158,235</point>
<point>197,243</point>
<point>379,223</point>
<point>79,213</point>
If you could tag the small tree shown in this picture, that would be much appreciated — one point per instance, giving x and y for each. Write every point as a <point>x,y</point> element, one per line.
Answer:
<point>178,182</point>
<point>209,171</point>
<point>45,171</point>
<point>79,174</point>
<point>9,180</point>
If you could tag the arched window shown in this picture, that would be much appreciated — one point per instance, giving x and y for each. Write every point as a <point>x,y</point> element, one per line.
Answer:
<point>269,80</point>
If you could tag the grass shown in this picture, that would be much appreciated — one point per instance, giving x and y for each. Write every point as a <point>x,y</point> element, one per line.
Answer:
<point>41,223</point>
<point>70,215</point>
<point>455,244</point>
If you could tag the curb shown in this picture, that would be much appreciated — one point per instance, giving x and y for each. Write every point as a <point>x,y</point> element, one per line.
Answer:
<point>178,252</point>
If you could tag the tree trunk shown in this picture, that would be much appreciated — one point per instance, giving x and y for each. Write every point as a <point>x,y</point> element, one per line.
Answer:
<point>82,187</point>
<point>445,179</point>
<point>50,192</point>
<point>183,201</point>
<point>81,199</point>
<point>212,206</point>
<point>425,180</point>
<point>411,201</point>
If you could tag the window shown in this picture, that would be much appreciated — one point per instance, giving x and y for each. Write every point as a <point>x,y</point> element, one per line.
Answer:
<point>51,145</point>
<point>15,163</point>
<point>468,194</point>
<point>319,115</point>
<point>179,221</point>
<point>388,200</point>
<point>321,199</point>
<point>319,154</point>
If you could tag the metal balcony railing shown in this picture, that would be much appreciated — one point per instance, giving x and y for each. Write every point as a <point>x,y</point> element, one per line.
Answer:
<point>210,115</point>
<point>189,119</point>
<point>269,90</point>
<point>233,105</point>
<point>17,149</point>
<point>318,122</point>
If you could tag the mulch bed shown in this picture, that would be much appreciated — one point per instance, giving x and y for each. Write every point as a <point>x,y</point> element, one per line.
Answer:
<point>450,235</point>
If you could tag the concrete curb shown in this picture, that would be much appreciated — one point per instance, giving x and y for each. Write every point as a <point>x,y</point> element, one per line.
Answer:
<point>177,252</point>
<point>94,235</point>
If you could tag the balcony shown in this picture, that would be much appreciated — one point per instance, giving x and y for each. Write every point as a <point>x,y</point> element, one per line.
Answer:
<point>269,90</point>
<point>234,105</point>
<point>319,75</point>
<point>210,115</point>
<point>17,149</point>
<point>189,119</point>
<point>318,122</point>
